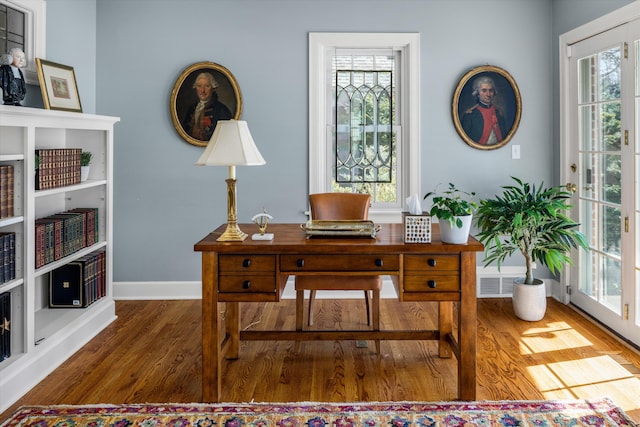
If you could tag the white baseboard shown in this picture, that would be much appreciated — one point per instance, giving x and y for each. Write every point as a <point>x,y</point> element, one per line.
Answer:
<point>156,290</point>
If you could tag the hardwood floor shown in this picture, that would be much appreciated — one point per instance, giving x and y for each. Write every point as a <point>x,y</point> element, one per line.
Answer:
<point>152,354</point>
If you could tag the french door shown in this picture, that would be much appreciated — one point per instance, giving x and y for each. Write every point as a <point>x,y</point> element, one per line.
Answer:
<point>603,170</point>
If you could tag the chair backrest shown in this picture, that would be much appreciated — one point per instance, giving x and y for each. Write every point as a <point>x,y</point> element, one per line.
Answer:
<point>339,206</point>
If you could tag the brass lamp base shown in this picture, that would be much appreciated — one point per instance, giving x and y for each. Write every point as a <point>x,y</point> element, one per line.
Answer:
<point>233,232</point>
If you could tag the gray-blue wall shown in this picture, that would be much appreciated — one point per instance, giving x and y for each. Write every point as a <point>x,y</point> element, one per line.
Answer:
<point>127,55</point>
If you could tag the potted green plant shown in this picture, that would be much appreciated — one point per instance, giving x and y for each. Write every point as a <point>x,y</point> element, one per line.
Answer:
<point>85,162</point>
<point>534,222</point>
<point>454,209</point>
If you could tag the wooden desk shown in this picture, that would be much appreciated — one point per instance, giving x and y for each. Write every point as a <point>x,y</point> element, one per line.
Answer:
<point>257,271</point>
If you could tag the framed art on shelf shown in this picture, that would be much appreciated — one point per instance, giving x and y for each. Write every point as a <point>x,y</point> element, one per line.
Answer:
<point>204,93</point>
<point>58,86</point>
<point>486,107</point>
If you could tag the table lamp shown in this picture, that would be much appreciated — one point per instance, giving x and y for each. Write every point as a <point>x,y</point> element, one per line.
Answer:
<point>231,145</point>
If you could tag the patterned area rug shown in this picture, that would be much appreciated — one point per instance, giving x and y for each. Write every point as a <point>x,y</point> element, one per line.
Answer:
<point>390,414</point>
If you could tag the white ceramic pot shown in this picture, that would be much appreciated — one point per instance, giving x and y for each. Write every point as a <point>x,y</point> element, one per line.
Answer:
<point>453,234</point>
<point>84,172</point>
<point>529,301</point>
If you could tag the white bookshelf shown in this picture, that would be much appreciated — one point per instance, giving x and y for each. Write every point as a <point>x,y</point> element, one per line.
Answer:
<point>41,337</point>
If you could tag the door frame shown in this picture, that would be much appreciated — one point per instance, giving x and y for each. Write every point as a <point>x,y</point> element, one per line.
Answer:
<point>608,22</point>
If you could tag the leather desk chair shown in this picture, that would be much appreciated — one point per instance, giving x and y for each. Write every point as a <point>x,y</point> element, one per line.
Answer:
<point>339,206</point>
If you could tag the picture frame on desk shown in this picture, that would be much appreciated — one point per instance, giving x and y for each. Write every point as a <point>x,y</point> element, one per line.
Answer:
<point>218,89</point>
<point>468,112</point>
<point>58,86</point>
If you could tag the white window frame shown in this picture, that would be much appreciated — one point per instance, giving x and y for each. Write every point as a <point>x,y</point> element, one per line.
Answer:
<point>34,32</point>
<point>409,45</point>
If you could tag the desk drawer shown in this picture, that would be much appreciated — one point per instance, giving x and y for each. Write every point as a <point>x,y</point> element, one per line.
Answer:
<point>373,263</point>
<point>432,283</point>
<point>247,284</point>
<point>431,262</point>
<point>234,264</point>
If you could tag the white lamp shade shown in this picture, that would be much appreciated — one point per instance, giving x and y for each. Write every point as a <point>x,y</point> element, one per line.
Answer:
<point>231,145</point>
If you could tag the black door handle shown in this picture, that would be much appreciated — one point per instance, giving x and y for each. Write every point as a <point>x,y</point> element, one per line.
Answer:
<point>246,284</point>
<point>246,263</point>
<point>431,284</point>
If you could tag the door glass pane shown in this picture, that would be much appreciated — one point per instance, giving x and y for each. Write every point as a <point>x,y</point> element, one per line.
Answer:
<point>600,166</point>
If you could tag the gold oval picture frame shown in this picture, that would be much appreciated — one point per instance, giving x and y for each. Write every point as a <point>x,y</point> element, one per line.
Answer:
<point>219,92</point>
<point>475,104</point>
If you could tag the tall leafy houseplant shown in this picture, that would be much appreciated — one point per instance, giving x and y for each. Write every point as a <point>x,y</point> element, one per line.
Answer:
<point>530,220</point>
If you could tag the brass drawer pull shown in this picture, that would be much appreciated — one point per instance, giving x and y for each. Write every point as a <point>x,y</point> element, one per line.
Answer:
<point>379,262</point>
<point>246,284</point>
<point>431,262</point>
<point>246,263</point>
<point>300,262</point>
<point>431,284</point>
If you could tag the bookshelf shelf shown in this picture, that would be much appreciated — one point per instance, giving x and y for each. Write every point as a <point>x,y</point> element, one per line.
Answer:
<point>41,338</point>
<point>10,221</point>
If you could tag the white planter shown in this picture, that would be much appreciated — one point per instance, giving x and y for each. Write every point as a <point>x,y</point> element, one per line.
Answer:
<point>529,301</point>
<point>84,172</point>
<point>453,234</point>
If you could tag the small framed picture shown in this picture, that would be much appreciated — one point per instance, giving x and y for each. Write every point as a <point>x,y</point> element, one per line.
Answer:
<point>58,86</point>
<point>203,94</point>
<point>486,107</point>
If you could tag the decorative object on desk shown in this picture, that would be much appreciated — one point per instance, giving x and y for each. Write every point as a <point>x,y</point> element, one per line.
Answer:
<point>596,412</point>
<point>12,83</point>
<point>58,86</point>
<point>262,220</point>
<point>486,107</point>
<point>231,145</point>
<point>204,93</point>
<point>417,227</point>
<point>340,228</point>
<point>532,221</point>
<point>85,165</point>
<point>454,209</point>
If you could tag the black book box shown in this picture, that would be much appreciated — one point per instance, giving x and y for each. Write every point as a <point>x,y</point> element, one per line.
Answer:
<point>65,286</point>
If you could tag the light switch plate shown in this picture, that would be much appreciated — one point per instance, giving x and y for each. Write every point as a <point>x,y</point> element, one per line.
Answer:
<point>515,152</point>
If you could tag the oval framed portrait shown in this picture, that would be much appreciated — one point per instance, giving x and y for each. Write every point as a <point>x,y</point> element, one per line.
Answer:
<point>203,94</point>
<point>486,107</point>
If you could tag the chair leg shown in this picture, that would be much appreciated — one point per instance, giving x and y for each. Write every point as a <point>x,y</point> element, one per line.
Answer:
<point>299,309</point>
<point>366,301</point>
<point>312,298</point>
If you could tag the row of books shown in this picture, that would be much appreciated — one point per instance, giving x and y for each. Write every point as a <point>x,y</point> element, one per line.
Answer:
<point>7,257</point>
<point>57,167</point>
<point>6,191</point>
<point>79,283</point>
<point>5,326</point>
<point>62,234</point>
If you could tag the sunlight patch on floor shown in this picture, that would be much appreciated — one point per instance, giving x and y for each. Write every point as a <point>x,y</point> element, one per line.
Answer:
<point>588,378</point>
<point>554,337</point>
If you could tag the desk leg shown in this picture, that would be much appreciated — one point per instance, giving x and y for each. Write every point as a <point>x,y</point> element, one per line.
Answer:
<point>211,354</point>
<point>445,321</point>
<point>467,315</point>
